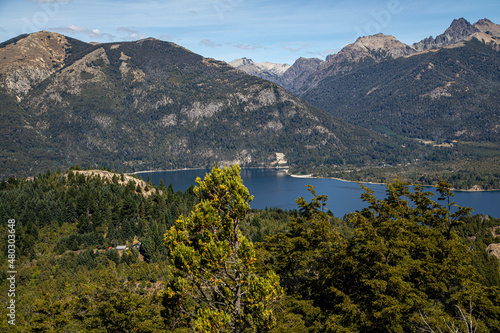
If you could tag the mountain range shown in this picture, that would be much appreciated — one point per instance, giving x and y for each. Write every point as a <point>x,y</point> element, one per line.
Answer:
<point>155,105</point>
<point>378,104</point>
<point>443,89</point>
<point>378,47</point>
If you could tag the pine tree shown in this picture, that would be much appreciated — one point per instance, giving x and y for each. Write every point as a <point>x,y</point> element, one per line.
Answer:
<point>215,286</point>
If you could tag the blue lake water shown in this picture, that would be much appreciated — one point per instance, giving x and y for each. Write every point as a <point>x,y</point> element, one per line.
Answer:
<point>275,188</point>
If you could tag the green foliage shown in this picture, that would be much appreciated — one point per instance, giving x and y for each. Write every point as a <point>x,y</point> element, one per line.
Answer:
<point>214,285</point>
<point>67,279</point>
<point>403,262</point>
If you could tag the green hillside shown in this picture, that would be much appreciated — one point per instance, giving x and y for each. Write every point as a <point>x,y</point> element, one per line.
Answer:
<point>155,105</point>
<point>442,95</point>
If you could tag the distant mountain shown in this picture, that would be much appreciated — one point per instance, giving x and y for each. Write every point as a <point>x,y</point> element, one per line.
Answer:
<point>443,88</point>
<point>295,76</point>
<point>264,70</point>
<point>452,93</point>
<point>305,74</point>
<point>365,49</point>
<point>459,30</point>
<point>155,105</point>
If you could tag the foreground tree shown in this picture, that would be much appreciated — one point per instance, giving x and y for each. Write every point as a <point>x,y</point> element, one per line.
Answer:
<point>405,260</point>
<point>214,285</point>
<point>403,263</point>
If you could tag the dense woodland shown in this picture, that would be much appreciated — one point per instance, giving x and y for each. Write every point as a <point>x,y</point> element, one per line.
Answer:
<point>401,265</point>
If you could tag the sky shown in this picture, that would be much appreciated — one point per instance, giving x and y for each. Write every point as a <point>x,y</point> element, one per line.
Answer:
<point>277,31</point>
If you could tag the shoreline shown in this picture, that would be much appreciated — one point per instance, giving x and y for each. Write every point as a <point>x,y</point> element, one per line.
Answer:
<point>182,169</point>
<point>375,183</point>
<point>309,176</point>
<point>335,178</point>
<point>202,168</point>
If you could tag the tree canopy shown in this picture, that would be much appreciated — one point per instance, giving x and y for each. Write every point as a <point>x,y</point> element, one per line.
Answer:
<point>214,286</point>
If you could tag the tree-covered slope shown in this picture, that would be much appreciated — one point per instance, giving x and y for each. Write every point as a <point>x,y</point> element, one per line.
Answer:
<point>398,264</point>
<point>447,94</point>
<point>153,104</point>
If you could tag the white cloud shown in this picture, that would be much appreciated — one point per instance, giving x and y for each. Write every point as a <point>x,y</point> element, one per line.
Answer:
<point>94,33</point>
<point>132,33</point>
<point>209,43</point>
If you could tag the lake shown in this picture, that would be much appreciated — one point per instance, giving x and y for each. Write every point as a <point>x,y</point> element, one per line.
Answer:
<point>275,188</point>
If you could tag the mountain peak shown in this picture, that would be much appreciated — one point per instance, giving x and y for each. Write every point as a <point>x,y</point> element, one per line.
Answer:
<point>488,27</point>
<point>236,63</point>
<point>265,70</point>
<point>459,30</point>
<point>30,59</point>
<point>377,47</point>
<point>379,42</point>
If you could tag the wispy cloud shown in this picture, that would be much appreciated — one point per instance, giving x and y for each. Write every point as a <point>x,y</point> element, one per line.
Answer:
<point>252,46</point>
<point>297,49</point>
<point>292,49</point>
<point>209,43</point>
<point>94,33</point>
<point>132,33</point>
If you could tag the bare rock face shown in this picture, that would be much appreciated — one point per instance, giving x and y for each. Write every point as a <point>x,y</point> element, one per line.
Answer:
<point>488,27</point>
<point>298,73</point>
<point>265,70</point>
<point>376,47</point>
<point>32,59</point>
<point>246,65</point>
<point>459,30</point>
<point>493,250</point>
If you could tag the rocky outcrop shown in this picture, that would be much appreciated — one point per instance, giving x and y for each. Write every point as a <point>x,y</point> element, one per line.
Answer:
<point>458,31</point>
<point>299,72</point>
<point>493,250</point>
<point>488,27</point>
<point>28,61</point>
<point>375,48</point>
<point>265,70</point>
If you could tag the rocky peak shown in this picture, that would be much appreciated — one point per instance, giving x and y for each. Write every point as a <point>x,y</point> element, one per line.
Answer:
<point>377,47</point>
<point>241,62</point>
<point>274,68</point>
<point>30,60</point>
<point>45,49</point>
<point>459,30</point>
<point>265,70</point>
<point>39,47</point>
<point>305,64</point>
<point>488,27</point>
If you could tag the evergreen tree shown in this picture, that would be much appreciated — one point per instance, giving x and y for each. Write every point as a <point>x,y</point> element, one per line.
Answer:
<point>215,286</point>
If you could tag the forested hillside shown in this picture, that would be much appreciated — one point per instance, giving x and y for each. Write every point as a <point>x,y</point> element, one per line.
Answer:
<point>446,95</point>
<point>154,105</point>
<point>405,263</point>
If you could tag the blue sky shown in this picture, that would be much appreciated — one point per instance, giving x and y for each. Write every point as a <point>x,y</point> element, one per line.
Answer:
<point>276,31</point>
